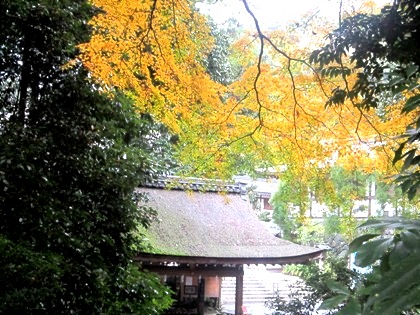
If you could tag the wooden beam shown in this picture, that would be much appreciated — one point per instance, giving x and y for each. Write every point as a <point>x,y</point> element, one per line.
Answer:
<point>146,257</point>
<point>199,270</point>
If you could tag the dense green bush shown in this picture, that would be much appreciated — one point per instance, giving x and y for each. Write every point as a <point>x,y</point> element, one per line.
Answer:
<point>306,296</point>
<point>70,159</point>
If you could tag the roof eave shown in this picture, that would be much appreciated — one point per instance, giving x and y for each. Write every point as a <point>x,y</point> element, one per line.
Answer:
<point>159,258</point>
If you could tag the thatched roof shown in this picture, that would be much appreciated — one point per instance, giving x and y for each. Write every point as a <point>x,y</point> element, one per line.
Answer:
<point>211,224</point>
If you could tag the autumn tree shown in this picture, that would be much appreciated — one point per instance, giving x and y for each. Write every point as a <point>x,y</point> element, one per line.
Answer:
<point>165,60</point>
<point>162,53</point>
<point>283,101</point>
<point>386,65</point>
<point>70,158</point>
<point>383,53</point>
<point>287,97</point>
<point>157,52</point>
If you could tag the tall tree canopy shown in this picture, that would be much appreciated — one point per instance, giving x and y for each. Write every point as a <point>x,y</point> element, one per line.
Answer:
<point>272,114</point>
<point>381,52</point>
<point>156,51</point>
<point>70,158</point>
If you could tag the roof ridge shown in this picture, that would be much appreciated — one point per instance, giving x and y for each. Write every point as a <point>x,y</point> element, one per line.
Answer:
<point>197,184</point>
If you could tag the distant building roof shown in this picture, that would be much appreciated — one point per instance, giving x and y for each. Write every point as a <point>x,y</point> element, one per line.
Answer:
<point>216,225</point>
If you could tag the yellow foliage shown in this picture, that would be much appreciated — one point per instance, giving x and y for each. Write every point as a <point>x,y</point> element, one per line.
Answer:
<point>288,102</point>
<point>275,112</point>
<point>153,49</point>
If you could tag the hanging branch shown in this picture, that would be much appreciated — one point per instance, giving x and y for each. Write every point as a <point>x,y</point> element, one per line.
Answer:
<point>264,39</point>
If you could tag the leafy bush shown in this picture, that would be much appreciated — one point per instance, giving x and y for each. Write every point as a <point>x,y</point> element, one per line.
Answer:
<point>394,255</point>
<point>391,248</point>
<point>318,284</point>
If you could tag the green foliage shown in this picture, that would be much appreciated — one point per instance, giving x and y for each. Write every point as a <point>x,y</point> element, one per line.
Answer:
<point>330,284</point>
<point>28,276</point>
<point>348,186</point>
<point>383,51</point>
<point>396,257</point>
<point>218,63</point>
<point>142,293</point>
<point>283,201</point>
<point>391,248</point>
<point>264,216</point>
<point>290,203</point>
<point>69,161</point>
<point>310,233</point>
<point>332,224</point>
<point>338,189</point>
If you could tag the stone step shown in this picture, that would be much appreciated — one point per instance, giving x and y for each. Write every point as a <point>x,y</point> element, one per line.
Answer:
<point>258,286</point>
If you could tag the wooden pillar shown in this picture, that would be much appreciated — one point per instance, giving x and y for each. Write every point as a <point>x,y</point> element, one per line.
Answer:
<point>200,297</point>
<point>239,291</point>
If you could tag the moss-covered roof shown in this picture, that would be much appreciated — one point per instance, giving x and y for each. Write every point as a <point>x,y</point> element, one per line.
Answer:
<point>210,224</point>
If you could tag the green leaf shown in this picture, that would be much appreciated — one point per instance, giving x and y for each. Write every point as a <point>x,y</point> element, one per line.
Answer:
<point>353,307</point>
<point>313,58</point>
<point>411,104</point>
<point>357,242</point>
<point>365,291</point>
<point>412,70</point>
<point>398,252</point>
<point>403,302</point>
<point>392,223</point>
<point>411,241</point>
<point>370,252</point>
<point>408,158</point>
<point>333,302</point>
<point>337,287</point>
<point>398,153</point>
<point>372,223</point>
<point>396,80</point>
<point>398,89</point>
<point>397,284</point>
<point>413,86</point>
